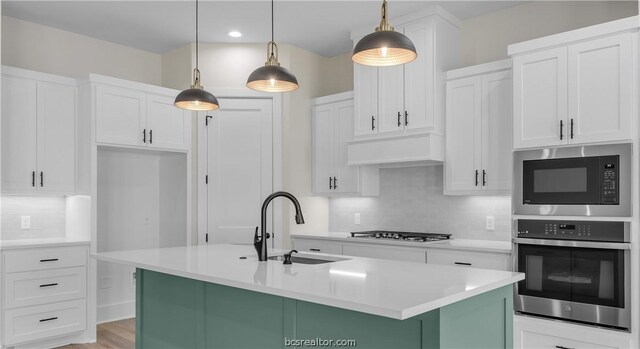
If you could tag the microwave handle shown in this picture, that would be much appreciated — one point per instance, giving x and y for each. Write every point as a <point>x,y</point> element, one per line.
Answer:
<point>573,243</point>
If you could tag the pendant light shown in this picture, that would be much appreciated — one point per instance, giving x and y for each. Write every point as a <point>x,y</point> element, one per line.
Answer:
<point>196,97</point>
<point>384,47</point>
<point>272,77</point>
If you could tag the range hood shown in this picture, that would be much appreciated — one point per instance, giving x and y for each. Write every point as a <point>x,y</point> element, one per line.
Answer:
<point>397,151</point>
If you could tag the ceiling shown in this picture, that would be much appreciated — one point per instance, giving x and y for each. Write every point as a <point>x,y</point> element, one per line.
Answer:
<point>159,26</point>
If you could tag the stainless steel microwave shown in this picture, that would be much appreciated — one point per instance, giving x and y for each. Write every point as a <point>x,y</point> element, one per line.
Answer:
<point>590,180</point>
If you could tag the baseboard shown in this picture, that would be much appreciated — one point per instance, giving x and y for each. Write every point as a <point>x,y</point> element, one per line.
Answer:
<point>115,312</point>
<point>78,338</point>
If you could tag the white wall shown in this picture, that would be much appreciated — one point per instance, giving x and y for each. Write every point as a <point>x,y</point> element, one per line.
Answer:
<point>36,47</point>
<point>485,38</point>
<point>47,213</point>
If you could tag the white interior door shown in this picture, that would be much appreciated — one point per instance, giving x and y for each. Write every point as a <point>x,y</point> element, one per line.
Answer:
<point>462,165</point>
<point>56,138</point>
<point>18,134</point>
<point>496,130</point>
<point>601,89</point>
<point>540,98</point>
<point>240,169</point>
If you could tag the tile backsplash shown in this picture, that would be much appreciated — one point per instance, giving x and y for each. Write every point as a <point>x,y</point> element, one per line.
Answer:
<point>412,199</point>
<point>47,217</point>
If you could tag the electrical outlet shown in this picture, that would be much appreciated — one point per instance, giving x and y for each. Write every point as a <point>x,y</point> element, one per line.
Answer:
<point>133,279</point>
<point>356,218</point>
<point>25,222</point>
<point>491,223</point>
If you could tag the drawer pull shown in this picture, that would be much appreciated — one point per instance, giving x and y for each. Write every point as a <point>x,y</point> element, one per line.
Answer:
<point>49,260</point>
<point>462,263</point>
<point>49,285</point>
<point>314,249</point>
<point>49,319</point>
<point>562,347</point>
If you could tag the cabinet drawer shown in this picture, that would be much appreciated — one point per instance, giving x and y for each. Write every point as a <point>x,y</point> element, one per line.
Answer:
<point>41,287</point>
<point>485,260</point>
<point>33,323</point>
<point>532,340</point>
<point>384,252</point>
<point>321,246</point>
<point>44,259</point>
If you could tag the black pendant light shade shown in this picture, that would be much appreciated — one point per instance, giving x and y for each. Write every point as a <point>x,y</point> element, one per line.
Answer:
<point>272,77</point>
<point>385,46</point>
<point>196,98</point>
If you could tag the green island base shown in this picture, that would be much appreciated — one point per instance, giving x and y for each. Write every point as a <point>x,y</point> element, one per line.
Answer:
<point>176,312</point>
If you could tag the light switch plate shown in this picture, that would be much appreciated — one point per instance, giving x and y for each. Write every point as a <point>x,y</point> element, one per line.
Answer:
<point>356,218</point>
<point>25,222</point>
<point>491,223</point>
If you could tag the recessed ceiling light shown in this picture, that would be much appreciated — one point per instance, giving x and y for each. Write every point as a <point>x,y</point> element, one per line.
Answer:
<point>235,34</point>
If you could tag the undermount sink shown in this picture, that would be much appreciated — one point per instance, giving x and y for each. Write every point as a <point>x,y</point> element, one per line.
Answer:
<point>308,259</point>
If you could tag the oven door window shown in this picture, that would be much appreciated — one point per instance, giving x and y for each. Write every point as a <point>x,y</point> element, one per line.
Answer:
<point>583,275</point>
<point>561,181</point>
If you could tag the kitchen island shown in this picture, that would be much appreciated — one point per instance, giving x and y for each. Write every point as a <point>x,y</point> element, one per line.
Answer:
<point>221,296</point>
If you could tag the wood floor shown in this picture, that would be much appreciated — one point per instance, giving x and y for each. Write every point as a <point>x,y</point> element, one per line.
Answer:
<point>112,335</point>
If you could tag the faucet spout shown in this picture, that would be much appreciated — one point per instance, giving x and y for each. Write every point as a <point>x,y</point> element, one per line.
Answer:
<point>260,242</point>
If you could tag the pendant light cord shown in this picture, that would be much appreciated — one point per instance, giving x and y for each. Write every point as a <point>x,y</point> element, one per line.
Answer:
<point>196,34</point>
<point>271,20</point>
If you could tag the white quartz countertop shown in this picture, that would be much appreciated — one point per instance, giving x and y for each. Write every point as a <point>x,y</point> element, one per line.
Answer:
<point>37,243</point>
<point>457,244</point>
<point>393,289</point>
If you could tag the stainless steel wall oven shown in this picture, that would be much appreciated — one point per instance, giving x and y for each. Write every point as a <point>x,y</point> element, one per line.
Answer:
<point>575,270</point>
<point>573,181</point>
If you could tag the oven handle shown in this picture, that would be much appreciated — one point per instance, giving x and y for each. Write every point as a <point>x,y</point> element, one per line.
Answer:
<point>565,243</point>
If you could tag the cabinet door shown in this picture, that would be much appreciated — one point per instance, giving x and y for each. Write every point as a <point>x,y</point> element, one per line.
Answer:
<point>419,78</point>
<point>320,246</point>
<point>496,131</point>
<point>365,96</point>
<point>540,98</point>
<point>347,176</point>
<point>323,144</point>
<point>168,127</point>
<point>120,116</point>
<point>601,89</point>
<point>531,340</point>
<point>18,134</point>
<point>463,141</point>
<point>391,99</point>
<point>56,138</point>
<point>470,259</point>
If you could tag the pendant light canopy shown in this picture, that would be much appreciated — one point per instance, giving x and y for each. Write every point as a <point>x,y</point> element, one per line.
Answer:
<point>196,97</point>
<point>384,47</point>
<point>272,77</point>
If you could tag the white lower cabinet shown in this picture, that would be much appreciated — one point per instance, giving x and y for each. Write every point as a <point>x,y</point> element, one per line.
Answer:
<point>44,294</point>
<point>320,246</point>
<point>471,259</point>
<point>535,333</point>
<point>408,254</point>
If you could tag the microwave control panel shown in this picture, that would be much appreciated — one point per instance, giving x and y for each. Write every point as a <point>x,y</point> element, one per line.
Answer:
<point>573,230</point>
<point>609,180</point>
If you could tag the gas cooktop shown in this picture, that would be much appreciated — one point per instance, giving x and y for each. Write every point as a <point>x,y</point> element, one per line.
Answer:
<point>401,235</point>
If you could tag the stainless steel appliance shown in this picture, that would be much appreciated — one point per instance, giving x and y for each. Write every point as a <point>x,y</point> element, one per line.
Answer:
<point>574,270</point>
<point>573,181</point>
<point>400,235</point>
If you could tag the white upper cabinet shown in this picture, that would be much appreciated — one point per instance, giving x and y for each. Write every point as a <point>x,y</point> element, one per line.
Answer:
<point>575,87</point>
<point>540,98</point>
<point>38,133</point>
<point>478,145</point>
<point>332,127</point>
<point>601,89</point>
<point>399,110</point>
<point>139,115</point>
<point>168,126</point>
<point>120,116</point>
<point>365,98</point>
